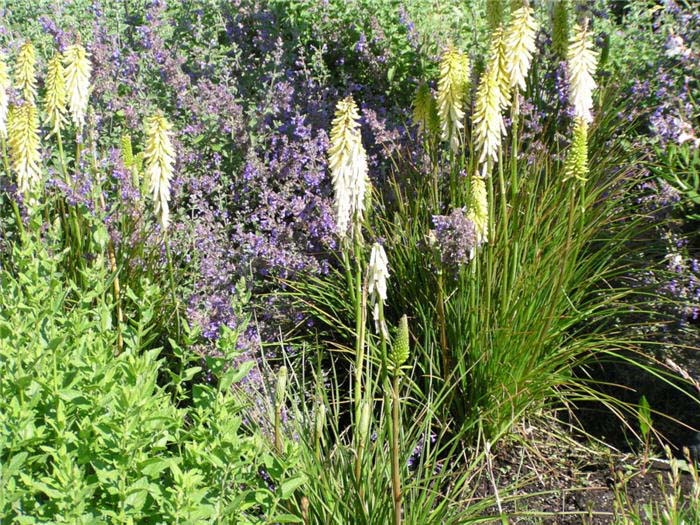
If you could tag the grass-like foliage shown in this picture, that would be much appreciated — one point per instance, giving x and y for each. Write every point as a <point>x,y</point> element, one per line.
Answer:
<point>88,437</point>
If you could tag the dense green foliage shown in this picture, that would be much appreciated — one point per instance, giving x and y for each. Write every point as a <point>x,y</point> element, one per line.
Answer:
<point>87,436</point>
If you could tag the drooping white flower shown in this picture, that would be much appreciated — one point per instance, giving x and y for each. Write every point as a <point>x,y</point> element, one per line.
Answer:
<point>378,272</point>
<point>377,275</point>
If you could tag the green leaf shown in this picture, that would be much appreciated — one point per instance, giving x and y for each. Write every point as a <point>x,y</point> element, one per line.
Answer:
<point>287,518</point>
<point>288,487</point>
<point>235,375</point>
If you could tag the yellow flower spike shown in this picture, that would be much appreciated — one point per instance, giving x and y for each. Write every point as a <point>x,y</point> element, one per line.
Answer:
<point>479,208</point>
<point>23,141</point>
<point>499,62</point>
<point>4,97</point>
<point>77,74</point>
<point>520,45</point>
<point>425,115</point>
<point>577,160</point>
<point>159,157</point>
<point>582,65</point>
<point>489,127</point>
<point>452,94</point>
<point>25,72</point>
<point>56,95</point>
<point>347,161</point>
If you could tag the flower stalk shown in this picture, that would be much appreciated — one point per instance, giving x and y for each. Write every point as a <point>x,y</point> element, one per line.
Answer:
<point>77,80</point>
<point>347,161</point>
<point>582,62</point>
<point>453,87</point>
<point>23,139</point>
<point>400,352</point>
<point>25,72</point>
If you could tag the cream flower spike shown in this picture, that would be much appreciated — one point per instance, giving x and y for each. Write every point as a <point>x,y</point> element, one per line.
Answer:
<point>425,115</point>
<point>488,123</point>
<point>56,95</point>
<point>347,161</point>
<point>498,61</point>
<point>452,94</point>
<point>520,45</point>
<point>479,209</point>
<point>24,152</point>
<point>25,72</point>
<point>159,158</point>
<point>582,66</point>
<point>77,74</point>
<point>4,97</point>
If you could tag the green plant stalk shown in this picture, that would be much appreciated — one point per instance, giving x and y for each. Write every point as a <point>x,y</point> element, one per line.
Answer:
<point>348,274</point>
<point>505,285</point>
<point>172,284</point>
<point>360,322</point>
<point>442,323</point>
<point>493,239</point>
<point>514,148</point>
<point>395,430</point>
<point>278,429</point>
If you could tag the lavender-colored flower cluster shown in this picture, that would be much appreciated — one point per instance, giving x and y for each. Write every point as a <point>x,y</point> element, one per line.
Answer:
<point>455,238</point>
<point>251,196</point>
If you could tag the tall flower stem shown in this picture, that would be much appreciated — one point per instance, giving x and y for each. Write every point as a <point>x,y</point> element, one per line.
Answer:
<point>504,286</point>
<point>171,273</point>
<point>395,431</point>
<point>442,323</point>
<point>360,324</point>
<point>399,355</point>
<point>514,147</point>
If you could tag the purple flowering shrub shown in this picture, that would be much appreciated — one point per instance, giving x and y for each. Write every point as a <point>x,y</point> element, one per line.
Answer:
<point>251,108</point>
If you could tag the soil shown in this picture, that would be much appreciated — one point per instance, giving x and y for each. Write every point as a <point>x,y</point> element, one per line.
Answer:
<point>550,474</point>
<point>543,478</point>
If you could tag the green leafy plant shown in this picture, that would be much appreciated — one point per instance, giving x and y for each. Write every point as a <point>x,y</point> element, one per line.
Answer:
<point>89,436</point>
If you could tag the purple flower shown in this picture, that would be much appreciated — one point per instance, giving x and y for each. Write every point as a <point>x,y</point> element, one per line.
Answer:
<point>455,238</point>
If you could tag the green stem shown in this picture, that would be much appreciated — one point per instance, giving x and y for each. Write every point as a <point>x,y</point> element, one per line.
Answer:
<point>514,149</point>
<point>360,326</point>
<point>446,361</point>
<point>504,285</point>
<point>172,285</point>
<point>395,430</point>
